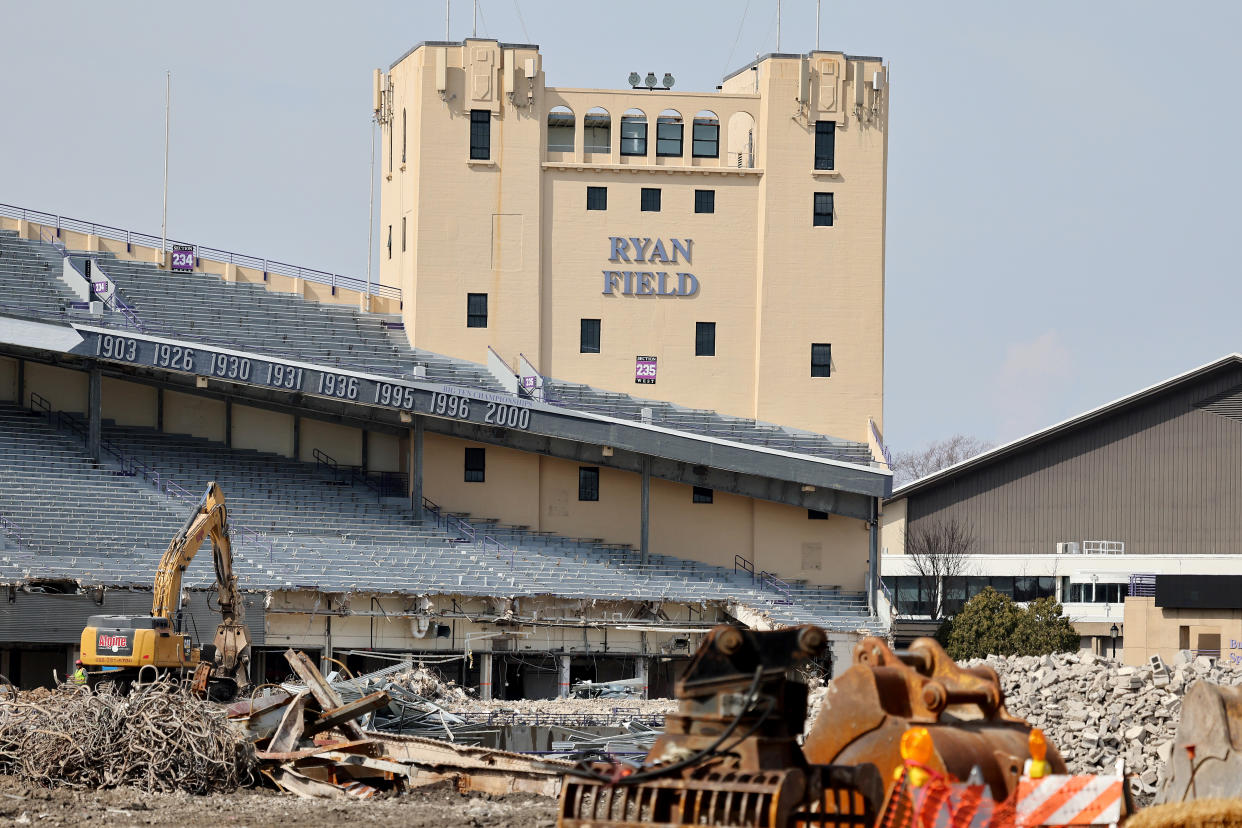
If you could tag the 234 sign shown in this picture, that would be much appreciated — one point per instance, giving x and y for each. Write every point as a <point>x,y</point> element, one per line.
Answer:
<point>645,370</point>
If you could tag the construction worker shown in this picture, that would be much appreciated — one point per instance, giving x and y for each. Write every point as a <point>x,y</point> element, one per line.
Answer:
<point>79,672</point>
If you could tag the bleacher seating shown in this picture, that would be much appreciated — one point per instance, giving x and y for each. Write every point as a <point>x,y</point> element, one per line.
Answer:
<point>92,522</point>
<point>204,308</point>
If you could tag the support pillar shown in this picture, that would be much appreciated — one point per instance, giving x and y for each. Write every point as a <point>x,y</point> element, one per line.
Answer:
<point>325,666</point>
<point>641,666</point>
<point>159,409</point>
<point>228,422</point>
<point>297,438</point>
<point>645,516</point>
<point>873,555</point>
<point>416,468</point>
<point>21,395</point>
<point>562,684</point>
<point>94,405</point>
<point>366,450</point>
<point>485,676</point>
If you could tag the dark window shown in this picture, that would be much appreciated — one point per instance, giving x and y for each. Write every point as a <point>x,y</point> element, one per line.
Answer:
<point>812,514</point>
<point>825,144</point>
<point>668,139</point>
<point>476,310</point>
<point>823,210</point>
<point>597,198</point>
<point>589,342</point>
<point>650,200</point>
<point>480,134</point>
<point>704,201</point>
<point>706,141</point>
<point>821,359</point>
<point>390,241</point>
<point>403,138</point>
<point>588,483</point>
<point>633,137</point>
<point>476,464</point>
<point>403,234</point>
<point>704,338</point>
<point>702,494</point>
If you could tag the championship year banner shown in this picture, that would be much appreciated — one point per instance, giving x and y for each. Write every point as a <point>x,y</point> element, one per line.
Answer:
<point>447,401</point>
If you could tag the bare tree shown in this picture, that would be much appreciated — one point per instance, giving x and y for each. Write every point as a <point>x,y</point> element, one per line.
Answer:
<point>939,549</point>
<point>911,465</point>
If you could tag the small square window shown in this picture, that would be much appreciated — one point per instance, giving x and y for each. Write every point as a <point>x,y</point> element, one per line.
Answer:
<point>823,210</point>
<point>476,310</point>
<point>702,494</point>
<point>588,482</point>
<point>821,359</point>
<point>589,339</point>
<point>704,338</point>
<point>704,201</point>
<point>480,134</point>
<point>597,198</point>
<point>650,200</point>
<point>476,464</point>
<point>812,514</point>
<point>825,144</point>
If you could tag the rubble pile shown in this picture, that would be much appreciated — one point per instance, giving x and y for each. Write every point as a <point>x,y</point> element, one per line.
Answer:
<point>1097,711</point>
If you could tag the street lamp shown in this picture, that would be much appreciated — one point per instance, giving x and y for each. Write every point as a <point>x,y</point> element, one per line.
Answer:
<point>1113,632</point>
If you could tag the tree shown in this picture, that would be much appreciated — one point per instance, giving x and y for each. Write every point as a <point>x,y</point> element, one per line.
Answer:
<point>912,465</point>
<point>992,624</point>
<point>1042,629</point>
<point>938,548</point>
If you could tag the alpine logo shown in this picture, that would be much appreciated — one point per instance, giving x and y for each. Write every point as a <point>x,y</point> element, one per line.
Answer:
<point>115,643</point>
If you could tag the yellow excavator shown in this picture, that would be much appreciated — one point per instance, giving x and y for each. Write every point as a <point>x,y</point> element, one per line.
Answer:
<point>121,648</point>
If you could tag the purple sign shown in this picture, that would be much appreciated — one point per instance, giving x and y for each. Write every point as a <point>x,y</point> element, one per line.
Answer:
<point>182,257</point>
<point>645,370</point>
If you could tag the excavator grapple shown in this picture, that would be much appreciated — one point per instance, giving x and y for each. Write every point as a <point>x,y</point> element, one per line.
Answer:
<point>886,692</point>
<point>730,755</point>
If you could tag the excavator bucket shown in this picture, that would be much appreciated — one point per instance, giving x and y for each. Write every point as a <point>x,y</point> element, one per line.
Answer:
<point>730,755</point>
<point>886,692</point>
<point>1206,761</point>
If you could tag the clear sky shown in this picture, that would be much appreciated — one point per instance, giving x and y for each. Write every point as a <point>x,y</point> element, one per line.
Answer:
<point>1064,177</point>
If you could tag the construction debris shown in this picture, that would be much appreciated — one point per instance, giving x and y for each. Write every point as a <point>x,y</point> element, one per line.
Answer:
<point>309,741</point>
<point>157,738</point>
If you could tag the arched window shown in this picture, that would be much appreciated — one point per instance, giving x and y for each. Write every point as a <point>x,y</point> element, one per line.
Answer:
<point>669,134</point>
<point>402,136</point>
<point>705,135</point>
<point>741,140</point>
<point>634,132</point>
<point>561,129</point>
<point>597,131</point>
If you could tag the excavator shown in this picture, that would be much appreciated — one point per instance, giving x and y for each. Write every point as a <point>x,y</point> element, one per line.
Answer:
<point>124,649</point>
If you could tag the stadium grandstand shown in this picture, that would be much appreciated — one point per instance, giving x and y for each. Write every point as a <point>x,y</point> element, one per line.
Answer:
<point>388,496</point>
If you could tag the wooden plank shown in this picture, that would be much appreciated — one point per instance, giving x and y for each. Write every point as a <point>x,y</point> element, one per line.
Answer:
<point>367,746</point>
<point>349,712</point>
<point>304,786</point>
<point>385,765</point>
<point>289,732</point>
<point>328,698</point>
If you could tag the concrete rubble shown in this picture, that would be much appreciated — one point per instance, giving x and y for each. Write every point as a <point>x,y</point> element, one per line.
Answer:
<point>1096,710</point>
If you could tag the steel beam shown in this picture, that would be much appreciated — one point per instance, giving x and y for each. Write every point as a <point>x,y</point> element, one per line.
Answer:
<point>644,517</point>
<point>94,408</point>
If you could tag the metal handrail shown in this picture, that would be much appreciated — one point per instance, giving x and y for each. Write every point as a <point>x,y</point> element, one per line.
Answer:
<point>11,528</point>
<point>769,579</point>
<point>746,566</point>
<point>468,531</point>
<point>200,252</point>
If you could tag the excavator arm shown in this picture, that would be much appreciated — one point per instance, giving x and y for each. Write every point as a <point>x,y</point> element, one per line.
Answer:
<point>230,652</point>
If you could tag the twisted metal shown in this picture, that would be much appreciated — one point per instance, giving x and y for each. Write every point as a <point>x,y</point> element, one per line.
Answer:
<point>157,738</point>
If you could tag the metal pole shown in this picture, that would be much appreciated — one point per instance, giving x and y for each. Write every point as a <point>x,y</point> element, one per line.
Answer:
<point>446,19</point>
<point>474,23</point>
<point>371,215</point>
<point>778,25</point>
<point>164,218</point>
<point>817,4</point>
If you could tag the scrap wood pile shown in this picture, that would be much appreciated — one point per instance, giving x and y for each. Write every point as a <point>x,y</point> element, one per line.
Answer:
<point>308,741</point>
<point>158,738</point>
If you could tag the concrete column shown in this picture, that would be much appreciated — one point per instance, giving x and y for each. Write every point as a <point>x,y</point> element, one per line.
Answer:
<point>94,405</point>
<point>873,555</point>
<point>485,676</point>
<point>228,422</point>
<point>641,666</point>
<point>562,685</point>
<point>297,438</point>
<point>416,467</point>
<point>366,450</point>
<point>159,409</point>
<point>325,666</point>
<point>645,513</point>
<point>21,387</point>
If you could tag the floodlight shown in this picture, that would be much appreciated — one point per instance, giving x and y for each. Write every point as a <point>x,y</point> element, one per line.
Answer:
<point>668,81</point>
<point>635,79</point>
<point>651,80</point>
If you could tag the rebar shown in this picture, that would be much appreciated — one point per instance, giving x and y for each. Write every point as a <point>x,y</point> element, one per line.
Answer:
<point>156,738</point>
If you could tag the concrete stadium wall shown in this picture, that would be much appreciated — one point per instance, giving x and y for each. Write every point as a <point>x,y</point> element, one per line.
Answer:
<point>262,430</point>
<point>342,443</point>
<point>65,390</point>
<point>129,403</point>
<point>8,379</point>
<point>196,416</point>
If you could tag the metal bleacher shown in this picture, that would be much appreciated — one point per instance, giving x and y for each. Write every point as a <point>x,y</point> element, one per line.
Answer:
<point>298,527</point>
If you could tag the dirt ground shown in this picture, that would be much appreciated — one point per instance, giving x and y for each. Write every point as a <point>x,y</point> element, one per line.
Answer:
<point>440,807</point>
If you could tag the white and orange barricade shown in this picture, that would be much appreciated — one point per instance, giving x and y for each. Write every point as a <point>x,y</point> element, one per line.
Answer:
<point>1093,799</point>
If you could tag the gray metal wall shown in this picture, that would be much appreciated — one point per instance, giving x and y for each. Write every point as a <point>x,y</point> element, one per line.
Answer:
<point>60,619</point>
<point>1163,476</point>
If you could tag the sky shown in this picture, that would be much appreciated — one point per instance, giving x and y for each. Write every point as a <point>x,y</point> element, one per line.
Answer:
<point>1063,176</point>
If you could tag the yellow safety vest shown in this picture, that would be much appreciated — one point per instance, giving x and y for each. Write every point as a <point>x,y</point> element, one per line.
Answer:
<point>79,676</point>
